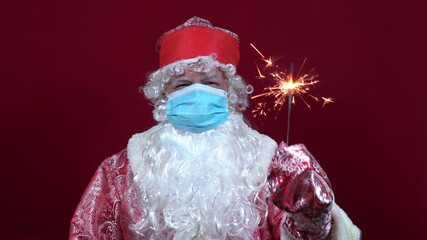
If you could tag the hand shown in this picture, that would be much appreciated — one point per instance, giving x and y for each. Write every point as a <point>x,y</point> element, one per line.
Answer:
<point>301,188</point>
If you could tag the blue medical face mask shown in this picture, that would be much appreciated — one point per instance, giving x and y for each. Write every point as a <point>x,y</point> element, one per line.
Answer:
<point>197,108</point>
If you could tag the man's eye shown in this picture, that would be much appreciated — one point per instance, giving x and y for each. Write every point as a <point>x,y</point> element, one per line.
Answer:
<point>212,83</point>
<point>182,85</point>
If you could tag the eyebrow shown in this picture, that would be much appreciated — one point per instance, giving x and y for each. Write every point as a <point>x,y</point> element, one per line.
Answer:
<point>178,80</point>
<point>210,76</point>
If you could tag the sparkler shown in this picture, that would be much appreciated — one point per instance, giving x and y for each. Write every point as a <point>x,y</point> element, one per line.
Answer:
<point>285,87</point>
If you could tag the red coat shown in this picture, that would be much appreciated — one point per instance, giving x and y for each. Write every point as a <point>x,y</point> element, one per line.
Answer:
<point>110,203</point>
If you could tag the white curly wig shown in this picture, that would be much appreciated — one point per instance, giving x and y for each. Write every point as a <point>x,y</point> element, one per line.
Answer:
<point>154,90</point>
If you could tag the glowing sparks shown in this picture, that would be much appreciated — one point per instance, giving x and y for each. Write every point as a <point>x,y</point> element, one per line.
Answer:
<point>256,49</point>
<point>327,100</point>
<point>286,85</point>
<point>269,62</point>
<point>260,109</point>
<point>260,75</point>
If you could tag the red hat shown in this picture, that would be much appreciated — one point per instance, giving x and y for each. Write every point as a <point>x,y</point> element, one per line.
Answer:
<point>197,37</point>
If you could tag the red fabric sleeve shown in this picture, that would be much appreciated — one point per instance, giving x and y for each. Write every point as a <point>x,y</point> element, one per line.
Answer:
<point>98,214</point>
<point>301,188</point>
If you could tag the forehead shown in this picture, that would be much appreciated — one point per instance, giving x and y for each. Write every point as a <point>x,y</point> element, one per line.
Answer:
<point>189,72</point>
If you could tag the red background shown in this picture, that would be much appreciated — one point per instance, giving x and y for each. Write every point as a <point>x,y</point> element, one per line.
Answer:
<point>70,72</point>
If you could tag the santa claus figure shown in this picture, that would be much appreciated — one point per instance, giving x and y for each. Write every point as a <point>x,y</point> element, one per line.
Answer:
<point>202,172</point>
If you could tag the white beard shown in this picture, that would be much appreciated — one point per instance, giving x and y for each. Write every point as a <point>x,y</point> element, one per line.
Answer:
<point>202,186</point>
